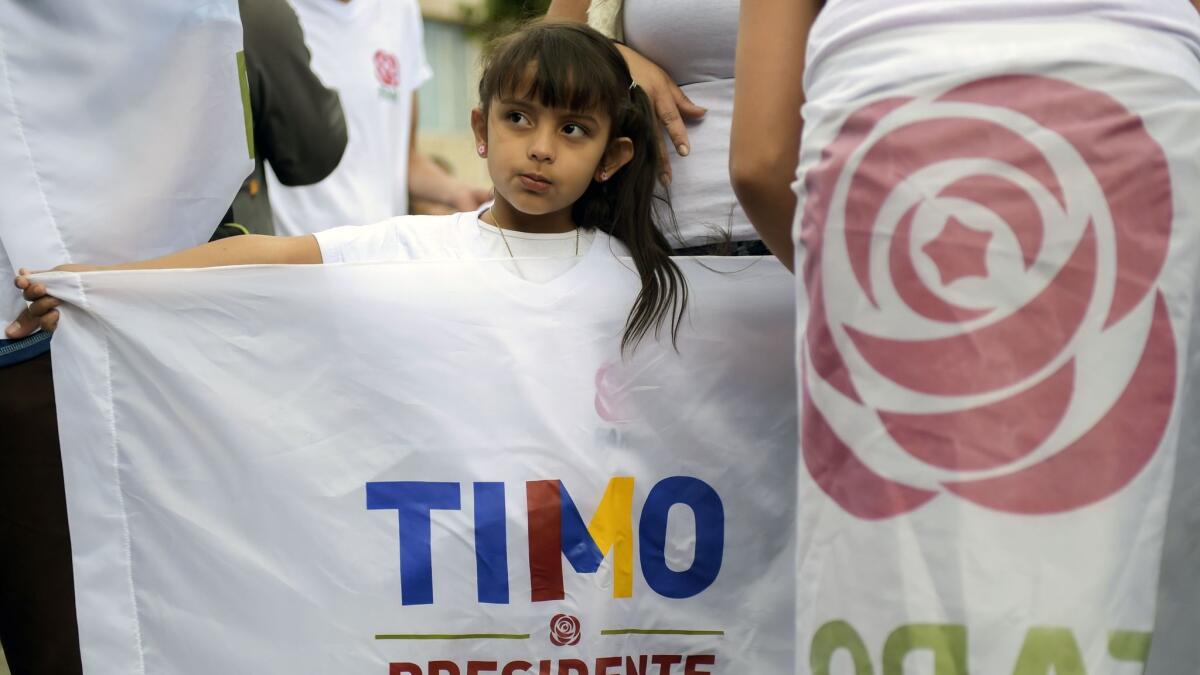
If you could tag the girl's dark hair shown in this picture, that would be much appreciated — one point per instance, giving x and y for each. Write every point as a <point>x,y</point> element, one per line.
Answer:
<point>568,65</point>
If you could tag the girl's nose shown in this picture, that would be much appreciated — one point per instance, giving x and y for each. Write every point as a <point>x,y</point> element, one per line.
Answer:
<point>541,149</point>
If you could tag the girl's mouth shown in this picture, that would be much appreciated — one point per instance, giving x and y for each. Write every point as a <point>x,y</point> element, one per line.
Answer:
<point>534,182</point>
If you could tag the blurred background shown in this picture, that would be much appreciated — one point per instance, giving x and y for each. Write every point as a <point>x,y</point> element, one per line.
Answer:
<point>455,33</point>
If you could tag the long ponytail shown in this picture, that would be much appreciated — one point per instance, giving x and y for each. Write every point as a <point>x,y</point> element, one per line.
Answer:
<point>628,207</point>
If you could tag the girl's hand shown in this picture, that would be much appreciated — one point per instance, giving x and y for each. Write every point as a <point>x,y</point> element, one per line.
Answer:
<point>41,311</point>
<point>670,103</point>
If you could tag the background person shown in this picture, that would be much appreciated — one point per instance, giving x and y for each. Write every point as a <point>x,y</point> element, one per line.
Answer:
<point>912,104</point>
<point>98,166</point>
<point>372,52</point>
<point>297,121</point>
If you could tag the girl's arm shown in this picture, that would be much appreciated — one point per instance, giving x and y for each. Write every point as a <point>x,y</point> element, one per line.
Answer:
<point>249,249</point>
<point>765,142</point>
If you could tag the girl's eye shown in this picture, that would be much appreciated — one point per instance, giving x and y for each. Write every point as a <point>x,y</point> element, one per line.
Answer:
<point>514,117</point>
<point>574,131</point>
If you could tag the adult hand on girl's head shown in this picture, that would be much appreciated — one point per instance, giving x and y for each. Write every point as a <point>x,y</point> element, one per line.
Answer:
<point>670,103</point>
<point>41,312</point>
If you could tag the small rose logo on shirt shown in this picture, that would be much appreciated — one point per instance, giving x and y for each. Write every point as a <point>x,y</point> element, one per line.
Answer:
<point>564,630</point>
<point>387,70</point>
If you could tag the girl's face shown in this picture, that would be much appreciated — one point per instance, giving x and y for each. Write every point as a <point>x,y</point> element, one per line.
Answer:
<point>542,159</point>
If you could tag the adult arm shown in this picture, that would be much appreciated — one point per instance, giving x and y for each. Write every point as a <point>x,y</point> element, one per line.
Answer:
<point>429,182</point>
<point>671,105</point>
<point>573,10</point>
<point>245,250</point>
<point>765,141</point>
<point>299,126</point>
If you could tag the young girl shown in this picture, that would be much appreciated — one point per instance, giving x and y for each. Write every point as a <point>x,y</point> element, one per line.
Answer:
<point>570,143</point>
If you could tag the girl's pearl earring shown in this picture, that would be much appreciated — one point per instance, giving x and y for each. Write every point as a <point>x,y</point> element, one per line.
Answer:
<point>603,175</point>
<point>482,149</point>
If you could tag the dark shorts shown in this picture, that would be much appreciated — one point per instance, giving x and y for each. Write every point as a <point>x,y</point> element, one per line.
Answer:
<point>37,594</point>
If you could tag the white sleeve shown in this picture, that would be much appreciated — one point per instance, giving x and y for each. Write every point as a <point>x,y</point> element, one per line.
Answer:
<point>363,243</point>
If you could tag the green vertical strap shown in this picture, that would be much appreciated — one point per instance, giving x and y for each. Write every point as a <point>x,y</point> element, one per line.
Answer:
<point>246,114</point>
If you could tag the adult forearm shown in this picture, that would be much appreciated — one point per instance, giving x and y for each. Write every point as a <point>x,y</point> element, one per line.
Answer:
<point>765,139</point>
<point>769,203</point>
<point>573,10</point>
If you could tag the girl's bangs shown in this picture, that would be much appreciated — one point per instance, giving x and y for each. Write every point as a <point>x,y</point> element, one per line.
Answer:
<point>556,73</point>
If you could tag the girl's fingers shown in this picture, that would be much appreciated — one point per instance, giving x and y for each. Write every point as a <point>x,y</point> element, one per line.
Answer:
<point>43,305</point>
<point>49,322</point>
<point>24,325</point>
<point>34,291</point>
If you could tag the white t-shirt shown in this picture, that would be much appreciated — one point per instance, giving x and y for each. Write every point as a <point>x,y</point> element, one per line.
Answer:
<point>834,54</point>
<point>537,258</point>
<point>694,41</point>
<point>372,52</point>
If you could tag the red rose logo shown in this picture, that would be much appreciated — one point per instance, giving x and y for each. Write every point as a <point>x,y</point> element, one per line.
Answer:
<point>985,321</point>
<point>564,630</point>
<point>387,68</point>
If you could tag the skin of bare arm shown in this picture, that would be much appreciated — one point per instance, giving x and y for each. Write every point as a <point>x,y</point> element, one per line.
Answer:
<point>573,10</point>
<point>430,182</point>
<point>670,103</point>
<point>243,250</point>
<point>765,142</point>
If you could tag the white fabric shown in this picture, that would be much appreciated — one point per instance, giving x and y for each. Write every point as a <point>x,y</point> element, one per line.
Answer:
<point>843,23</point>
<point>226,424</point>
<point>695,43</point>
<point>122,131</point>
<point>999,236</point>
<point>605,16</point>
<point>372,52</point>
<point>534,257</point>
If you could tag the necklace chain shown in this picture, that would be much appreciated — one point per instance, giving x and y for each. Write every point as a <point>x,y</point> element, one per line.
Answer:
<point>505,239</point>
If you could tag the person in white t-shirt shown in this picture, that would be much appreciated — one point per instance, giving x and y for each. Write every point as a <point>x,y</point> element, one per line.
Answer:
<point>571,146</point>
<point>372,52</point>
<point>995,196</point>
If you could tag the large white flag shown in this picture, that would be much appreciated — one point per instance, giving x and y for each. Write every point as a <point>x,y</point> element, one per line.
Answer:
<point>428,468</point>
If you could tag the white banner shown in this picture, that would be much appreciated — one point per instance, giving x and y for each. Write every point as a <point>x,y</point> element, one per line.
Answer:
<point>1003,266</point>
<point>431,468</point>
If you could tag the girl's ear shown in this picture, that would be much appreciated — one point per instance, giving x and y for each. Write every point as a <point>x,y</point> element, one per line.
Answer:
<point>479,127</point>
<point>618,154</point>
